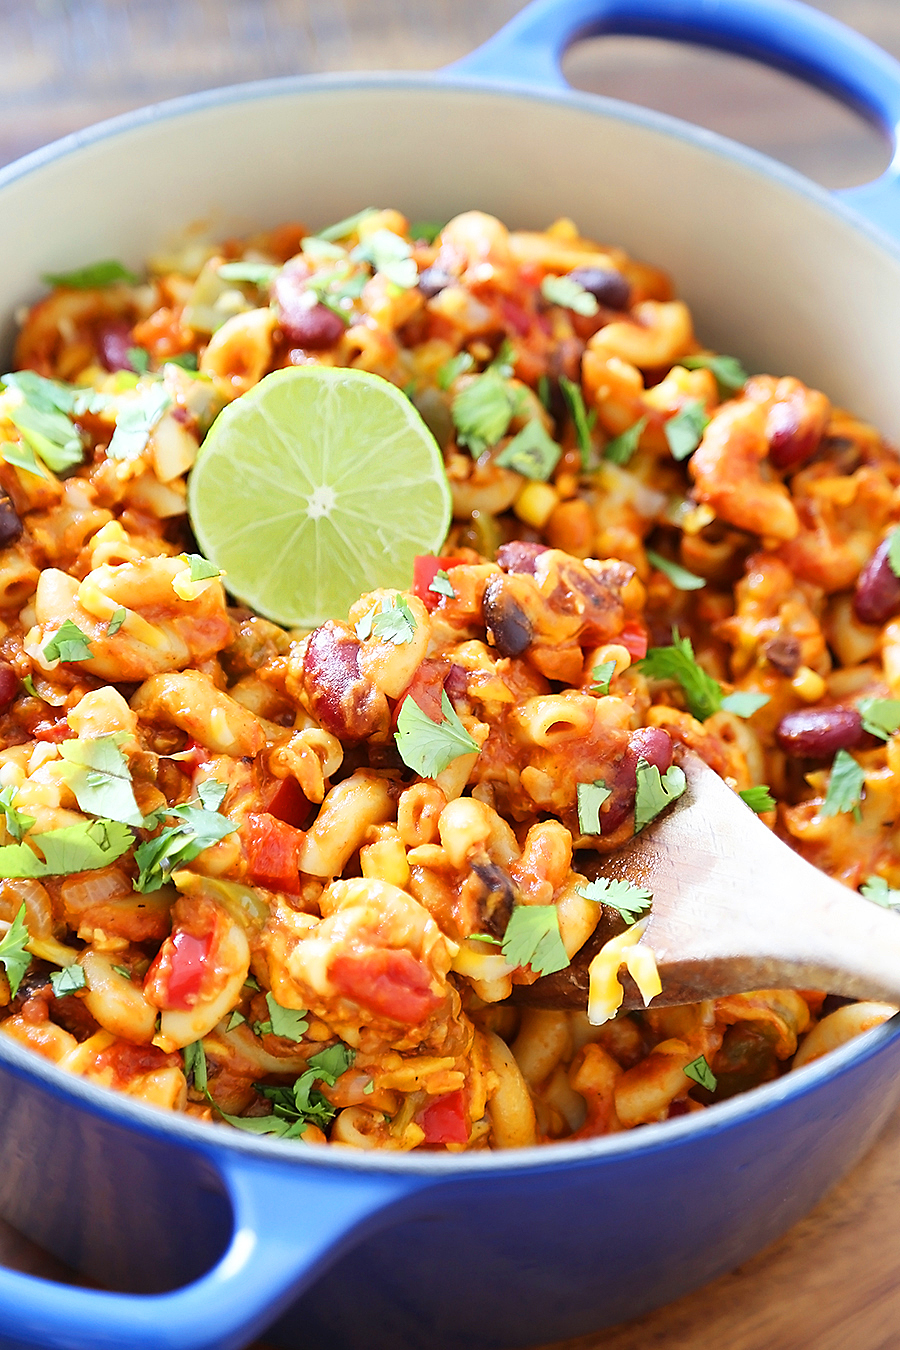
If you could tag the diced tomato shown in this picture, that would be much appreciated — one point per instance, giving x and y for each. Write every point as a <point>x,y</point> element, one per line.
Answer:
<point>444,1120</point>
<point>273,851</point>
<point>289,803</point>
<point>388,981</point>
<point>633,638</point>
<point>518,318</point>
<point>180,962</point>
<point>425,569</point>
<point>425,689</point>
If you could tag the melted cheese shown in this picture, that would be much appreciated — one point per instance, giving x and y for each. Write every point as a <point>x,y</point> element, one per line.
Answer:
<point>606,993</point>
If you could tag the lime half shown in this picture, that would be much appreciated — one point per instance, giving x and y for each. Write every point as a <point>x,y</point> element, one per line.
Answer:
<point>315,486</point>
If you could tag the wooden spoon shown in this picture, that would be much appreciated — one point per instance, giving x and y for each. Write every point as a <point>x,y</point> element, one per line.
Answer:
<point>735,909</point>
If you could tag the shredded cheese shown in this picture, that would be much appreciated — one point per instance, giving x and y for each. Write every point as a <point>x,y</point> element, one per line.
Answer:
<point>605,992</point>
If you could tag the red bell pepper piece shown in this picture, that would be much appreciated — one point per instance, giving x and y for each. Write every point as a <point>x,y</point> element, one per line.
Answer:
<point>633,638</point>
<point>180,962</point>
<point>272,849</point>
<point>389,981</point>
<point>289,803</point>
<point>444,1120</point>
<point>425,569</point>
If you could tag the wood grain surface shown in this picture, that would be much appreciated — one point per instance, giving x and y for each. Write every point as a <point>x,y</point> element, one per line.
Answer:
<point>831,1284</point>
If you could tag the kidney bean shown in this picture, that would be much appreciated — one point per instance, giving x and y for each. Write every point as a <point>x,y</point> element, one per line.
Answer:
<point>649,743</point>
<point>509,627</point>
<point>519,556</point>
<point>10,524</point>
<point>9,685</point>
<point>878,589</point>
<point>433,280</point>
<point>818,733</point>
<point>113,341</point>
<point>312,327</point>
<point>343,701</point>
<point>456,684</point>
<point>791,443</point>
<point>610,288</point>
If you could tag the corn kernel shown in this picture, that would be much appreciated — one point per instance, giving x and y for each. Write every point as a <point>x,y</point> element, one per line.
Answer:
<point>536,503</point>
<point>809,685</point>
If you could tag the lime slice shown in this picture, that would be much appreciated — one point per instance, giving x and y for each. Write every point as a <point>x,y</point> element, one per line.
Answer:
<point>318,484</point>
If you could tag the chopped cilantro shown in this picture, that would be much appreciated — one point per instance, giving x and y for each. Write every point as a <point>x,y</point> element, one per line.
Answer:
<point>457,365</point>
<point>28,684</point>
<point>14,958</point>
<point>104,273</point>
<point>187,360</point>
<point>744,702</point>
<point>98,774</point>
<point>533,452</point>
<point>195,1065</point>
<point>591,797</point>
<point>483,411</point>
<point>845,786</point>
<point>287,1022</point>
<point>894,551</point>
<point>880,716</point>
<point>631,901</point>
<point>877,890</point>
<point>136,419</point>
<point>680,577</point>
<point>349,225</point>
<point>429,747</point>
<point>441,584</point>
<point>48,434</point>
<point>569,294</point>
<point>118,618</point>
<point>258,274</point>
<point>68,644</point>
<point>75,848</point>
<point>758,798</point>
<point>504,360</point>
<point>235,1020</point>
<point>730,374</point>
<point>543,391</point>
<point>426,230</point>
<point>533,939</point>
<point>67,980</point>
<point>601,675</point>
<point>685,430</point>
<point>17,823</point>
<point>389,254</point>
<point>123,971</point>
<point>701,1073</point>
<point>370,1087</point>
<point>621,448</point>
<point>395,623</point>
<point>201,568</point>
<point>198,827</point>
<point>139,359</point>
<point>702,693</point>
<point>655,791</point>
<point>295,1107</point>
<point>582,420</point>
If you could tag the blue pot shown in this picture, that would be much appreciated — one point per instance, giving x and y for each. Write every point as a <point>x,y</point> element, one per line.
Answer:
<point>215,1235</point>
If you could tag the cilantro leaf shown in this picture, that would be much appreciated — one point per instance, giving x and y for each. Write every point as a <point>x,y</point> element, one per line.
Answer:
<point>680,577</point>
<point>426,230</point>
<point>201,568</point>
<point>28,684</point>
<point>187,360</point>
<point>98,774</point>
<point>601,675</point>
<point>482,411</point>
<point>258,274</point>
<point>139,359</point>
<point>877,890</point>
<point>17,823</point>
<point>590,797</point>
<point>48,434</point>
<point>67,980</point>
<point>389,254</point>
<point>395,622</point>
<point>293,1108</point>
<point>758,798</point>
<point>288,1022</point>
<point>104,273</point>
<point>68,644</point>
<point>655,791</point>
<point>75,848</point>
<point>197,828</point>
<point>730,374</point>
<point>429,747</point>
<point>349,225</point>
<point>533,452</point>
<point>212,794</point>
<point>685,430</point>
<point>744,702</point>
<point>880,716</point>
<point>894,550</point>
<point>533,939</point>
<point>118,618</point>
<point>14,959</point>
<point>702,693</point>
<point>845,786</point>
<point>621,448</point>
<point>504,362</point>
<point>442,585</point>
<point>569,294</point>
<point>195,1070</point>
<point>135,420</point>
<point>631,901</point>
<point>235,1020</point>
<point>457,365</point>
<point>701,1073</point>
<point>123,971</point>
<point>582,420</point>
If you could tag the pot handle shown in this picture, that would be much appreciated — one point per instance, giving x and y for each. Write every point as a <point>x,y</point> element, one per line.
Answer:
<point>290,1221</point>
<point>785,34</point>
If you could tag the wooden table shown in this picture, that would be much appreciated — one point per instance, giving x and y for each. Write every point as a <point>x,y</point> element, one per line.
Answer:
<point>831,1284</point>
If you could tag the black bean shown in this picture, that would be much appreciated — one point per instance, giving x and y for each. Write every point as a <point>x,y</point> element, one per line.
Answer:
<point>519,556</point>
<point>818,733</point>
<point>433,280</point>
<point>507,624</point>
<point>878,589</point>
<point>607,286</point>
<point>495,905</point>
<point>10,525</point>
<point>784,653</point>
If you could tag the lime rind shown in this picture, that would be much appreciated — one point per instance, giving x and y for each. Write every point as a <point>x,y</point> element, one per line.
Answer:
<point>318,484</point>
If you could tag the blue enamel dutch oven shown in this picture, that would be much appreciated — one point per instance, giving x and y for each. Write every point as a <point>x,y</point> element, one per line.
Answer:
<point>211,1235</point>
